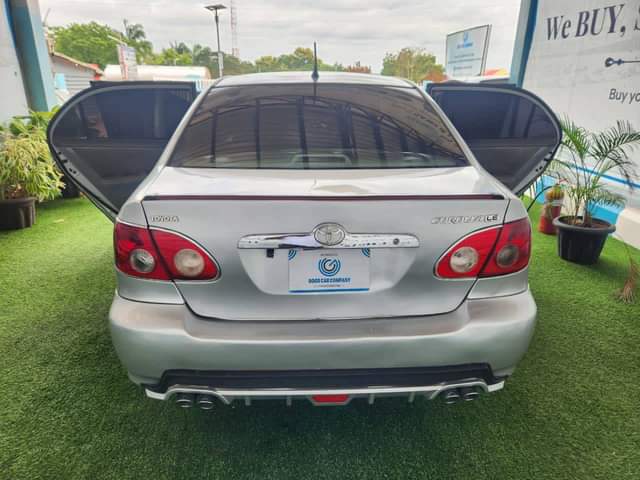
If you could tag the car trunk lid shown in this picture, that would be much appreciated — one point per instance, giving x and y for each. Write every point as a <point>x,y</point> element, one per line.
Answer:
<point>425,210</point>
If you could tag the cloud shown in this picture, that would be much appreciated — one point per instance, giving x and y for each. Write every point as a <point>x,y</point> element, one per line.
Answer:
<point>346,30</point>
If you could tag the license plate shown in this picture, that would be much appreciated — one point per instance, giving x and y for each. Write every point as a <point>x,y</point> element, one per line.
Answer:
<point>329,271</point>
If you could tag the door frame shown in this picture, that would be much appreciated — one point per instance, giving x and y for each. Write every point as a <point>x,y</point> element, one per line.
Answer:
<point>509,88</point>
<point>97,87</point>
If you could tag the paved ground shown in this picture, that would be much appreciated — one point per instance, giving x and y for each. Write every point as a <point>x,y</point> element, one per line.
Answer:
<point>68,410</point>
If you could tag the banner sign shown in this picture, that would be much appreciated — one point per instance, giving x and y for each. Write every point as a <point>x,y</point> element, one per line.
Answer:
<point>128,63</point>
<point>466,52</point>
<point>585,63</point>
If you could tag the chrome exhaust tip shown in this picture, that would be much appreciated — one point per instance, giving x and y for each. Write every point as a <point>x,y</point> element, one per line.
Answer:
<point>469,394</point>
<point>205,402</point>
<point>451,396</point>
<point>184,400</point>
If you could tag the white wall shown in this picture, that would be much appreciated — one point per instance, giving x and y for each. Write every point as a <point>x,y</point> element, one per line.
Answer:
<point>567,68</point>
<point>76,78</point>
<point>12,96</point>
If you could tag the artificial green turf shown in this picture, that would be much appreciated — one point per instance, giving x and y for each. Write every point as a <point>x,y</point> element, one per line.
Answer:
<point>67,409</point>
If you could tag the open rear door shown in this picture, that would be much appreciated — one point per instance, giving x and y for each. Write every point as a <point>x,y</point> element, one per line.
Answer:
<point>511,131</point>
<point>107,138</point>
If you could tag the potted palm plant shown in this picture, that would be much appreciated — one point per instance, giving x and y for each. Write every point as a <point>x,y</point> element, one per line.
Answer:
<point>27,171</point>
<point>584,159</point>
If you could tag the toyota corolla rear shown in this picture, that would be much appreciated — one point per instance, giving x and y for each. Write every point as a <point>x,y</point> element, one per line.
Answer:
<point>320,241</point>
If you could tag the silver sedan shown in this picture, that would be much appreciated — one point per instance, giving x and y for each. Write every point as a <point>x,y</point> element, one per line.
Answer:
<point>281,236</point>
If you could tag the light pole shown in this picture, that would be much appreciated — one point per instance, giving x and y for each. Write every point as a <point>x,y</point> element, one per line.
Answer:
<point>214,9</point>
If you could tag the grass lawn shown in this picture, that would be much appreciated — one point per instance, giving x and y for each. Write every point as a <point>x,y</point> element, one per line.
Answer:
<point>68,411</point>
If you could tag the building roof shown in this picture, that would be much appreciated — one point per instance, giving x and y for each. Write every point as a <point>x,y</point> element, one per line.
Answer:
<point>76,63</point>
<point>496,72</point>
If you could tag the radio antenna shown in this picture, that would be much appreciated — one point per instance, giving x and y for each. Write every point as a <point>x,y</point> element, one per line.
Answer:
<point>314,74</point>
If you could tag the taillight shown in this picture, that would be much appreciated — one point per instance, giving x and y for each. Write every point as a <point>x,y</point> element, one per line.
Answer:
<point>136,253</point>
<point>184,259</point>
<point>160,255</point>
<point>489,252</point>
<point>512,251</point>
<point>467,257</point>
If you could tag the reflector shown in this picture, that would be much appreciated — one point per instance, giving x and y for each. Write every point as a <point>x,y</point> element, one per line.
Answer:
<point>333,399</point>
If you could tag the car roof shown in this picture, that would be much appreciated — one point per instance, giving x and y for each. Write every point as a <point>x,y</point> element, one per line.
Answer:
<point>305,77</point>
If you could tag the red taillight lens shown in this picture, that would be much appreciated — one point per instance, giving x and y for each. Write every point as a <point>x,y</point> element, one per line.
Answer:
<point>161,255</point>
<point>512,251</point>
<point>490,252</point>
<point>136,253</point>
<point>452,263</point>
<point>184,259</point>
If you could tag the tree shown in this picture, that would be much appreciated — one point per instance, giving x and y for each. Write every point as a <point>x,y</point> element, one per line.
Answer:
<point>171,56</point>
<point>267,63</point>
<point>88,42</point>
<point>205,56</point>
<point>136,37</point>
<point>300,60</point>
<point>412,63</point>
<point>199,55</point>
<point>96,43</point>
<point>234,66</point>
<point>182,47</point>
<point>134,31</point>
<point>357,68</point>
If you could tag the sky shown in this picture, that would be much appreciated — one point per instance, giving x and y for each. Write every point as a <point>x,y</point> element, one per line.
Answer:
<point>346,30</point>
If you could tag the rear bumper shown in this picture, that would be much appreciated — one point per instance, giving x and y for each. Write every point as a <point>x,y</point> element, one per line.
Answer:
<point>153,339</point>
<point>463,390</point>
<point>312,385</point>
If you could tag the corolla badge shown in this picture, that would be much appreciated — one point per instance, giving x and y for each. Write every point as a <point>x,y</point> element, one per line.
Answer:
<point>329,234</point>
<point>492,217</point>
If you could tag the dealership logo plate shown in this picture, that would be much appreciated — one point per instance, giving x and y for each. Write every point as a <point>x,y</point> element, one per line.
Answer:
<point>336,271</point>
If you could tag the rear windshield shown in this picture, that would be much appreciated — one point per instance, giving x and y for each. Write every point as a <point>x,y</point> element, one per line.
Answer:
<point>329,127</point>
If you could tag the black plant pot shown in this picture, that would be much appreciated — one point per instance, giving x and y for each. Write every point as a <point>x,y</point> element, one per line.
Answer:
<point>70,190</point>
<point>16,213</point>
<point>581,244</point>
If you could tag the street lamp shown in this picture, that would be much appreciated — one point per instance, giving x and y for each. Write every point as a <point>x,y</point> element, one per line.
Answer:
<point>214,9</point>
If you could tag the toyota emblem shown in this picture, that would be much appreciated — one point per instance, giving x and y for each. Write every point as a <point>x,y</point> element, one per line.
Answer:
<point>329,234</point>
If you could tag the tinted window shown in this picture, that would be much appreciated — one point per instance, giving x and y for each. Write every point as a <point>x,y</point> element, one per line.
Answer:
<point>489,115</point>
<point>335,126</point>
<point>126,114</point>
<point>112,138</point>
<point>509,130</point>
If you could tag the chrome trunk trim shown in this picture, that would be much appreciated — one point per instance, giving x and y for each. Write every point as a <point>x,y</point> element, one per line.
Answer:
<point>307,240</point>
